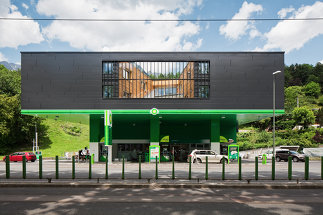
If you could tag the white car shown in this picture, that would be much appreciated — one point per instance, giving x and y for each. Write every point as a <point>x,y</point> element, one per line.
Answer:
<point>199,156</point>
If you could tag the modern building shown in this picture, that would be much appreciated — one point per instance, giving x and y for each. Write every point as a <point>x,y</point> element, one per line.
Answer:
<point>178,100</point>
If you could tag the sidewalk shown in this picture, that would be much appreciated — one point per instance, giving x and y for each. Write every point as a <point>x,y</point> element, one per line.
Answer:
<point>163,183</point>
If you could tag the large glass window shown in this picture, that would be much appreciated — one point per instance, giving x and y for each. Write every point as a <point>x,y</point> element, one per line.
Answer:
<point>107,92</point>
<point>107,68</point>
<point>131,80</point>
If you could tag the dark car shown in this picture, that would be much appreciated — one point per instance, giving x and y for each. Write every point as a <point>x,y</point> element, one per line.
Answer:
<point>17,156</point>
<point>284,154</point>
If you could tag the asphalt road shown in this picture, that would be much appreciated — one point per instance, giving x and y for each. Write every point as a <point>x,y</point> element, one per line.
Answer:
<point>49,200</point>
<point>164,170</point>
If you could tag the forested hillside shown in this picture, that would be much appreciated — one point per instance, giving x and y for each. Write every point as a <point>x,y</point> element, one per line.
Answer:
<point>303,107</point>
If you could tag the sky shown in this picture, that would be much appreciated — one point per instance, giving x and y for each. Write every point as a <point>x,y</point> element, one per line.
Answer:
<point>302,41</point>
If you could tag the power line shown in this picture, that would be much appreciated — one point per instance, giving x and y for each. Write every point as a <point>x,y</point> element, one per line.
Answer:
<point>161,20</point>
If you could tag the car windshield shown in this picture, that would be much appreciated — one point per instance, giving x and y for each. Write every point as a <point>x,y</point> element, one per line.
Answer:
<point>294,153</point>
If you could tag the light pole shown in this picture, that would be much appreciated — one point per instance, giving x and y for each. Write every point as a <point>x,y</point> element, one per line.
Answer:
<point>274,107</point>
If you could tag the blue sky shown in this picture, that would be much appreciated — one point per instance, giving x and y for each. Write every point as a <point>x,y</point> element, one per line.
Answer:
<point>302,41</point>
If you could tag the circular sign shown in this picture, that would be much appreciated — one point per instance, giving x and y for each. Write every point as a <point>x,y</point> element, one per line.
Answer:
<point>154,111</point>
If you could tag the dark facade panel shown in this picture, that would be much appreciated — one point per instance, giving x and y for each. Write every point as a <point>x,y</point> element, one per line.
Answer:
<point>63,80</point>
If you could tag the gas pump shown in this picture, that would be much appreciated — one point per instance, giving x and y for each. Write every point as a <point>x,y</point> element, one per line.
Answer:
<point>103,153</point>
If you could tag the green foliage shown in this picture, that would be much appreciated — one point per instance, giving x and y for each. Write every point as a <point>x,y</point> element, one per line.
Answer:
<point>312,89</point>
<point>291,94</point>
<point>303,116</point>
<point>319,116</point>
<point>9,81</point>
<point>15,130</point>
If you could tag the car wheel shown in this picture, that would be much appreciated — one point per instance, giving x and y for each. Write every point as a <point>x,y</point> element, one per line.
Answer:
<point>295,159</point>
<point>278,159</point>
<point>199,160</point>
<point>224,160</point>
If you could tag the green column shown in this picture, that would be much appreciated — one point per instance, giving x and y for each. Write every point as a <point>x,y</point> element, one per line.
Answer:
<point>122,175</point>
<point>90,167</point>
<point>273,170</point>
<point>57,174</point>
<point>73,167</point>
<point>139,174</point>
<point>156,173</point>
<point>223,169</point>
<point>7,167</point>
<point>190,169</point>
<point>256,168</point>
<point>307,167</point>
<point>24,167</point>
<point>40,159</point>
<point>154,130</point>
<point>173,168</point>
<point>207,169</point>
<point>240,176</point>
<point>290,168</point>
<point>106,169</point>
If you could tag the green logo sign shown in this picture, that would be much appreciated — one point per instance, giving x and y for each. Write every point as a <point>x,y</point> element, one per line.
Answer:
<point>154,111</point>
<point>165,139</point>
<point>233,151</point>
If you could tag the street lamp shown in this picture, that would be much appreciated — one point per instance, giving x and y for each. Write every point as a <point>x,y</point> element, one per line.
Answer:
<point>274,107</point>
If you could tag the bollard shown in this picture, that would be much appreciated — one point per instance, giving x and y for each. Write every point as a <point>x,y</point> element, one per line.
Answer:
<point>156,173</point>
<point>73,167</point>
<point>223,168</point>
<point>307,167</point>
<point>273,168</point>
<point>173,170</point>
<point>256,168</point>
<point>24,167</point>
<point>7,167</point>
<point>190,169</point>
<point>106,169</point>
<point>139,174</point>
<point>92,159</point>
<point>40,160</point>
<point>289,168</point>
<point>56,158</point>
<point>322,168</point>
<point>122,174</point>
<point>240,177</point>
<point>207,169</point>
<point>90,167</point>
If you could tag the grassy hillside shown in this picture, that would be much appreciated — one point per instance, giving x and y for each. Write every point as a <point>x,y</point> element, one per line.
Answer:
<point>64,137</point>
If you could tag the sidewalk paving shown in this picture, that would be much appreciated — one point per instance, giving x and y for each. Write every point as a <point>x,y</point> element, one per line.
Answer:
<point>164,183</point>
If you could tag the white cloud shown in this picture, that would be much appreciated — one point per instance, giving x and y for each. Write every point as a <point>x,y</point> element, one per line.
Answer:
<point>16,33</point>
<point>291,35</point>
<point>2,57</point>
<point>283,12</point>
<point>25,6</point>
<point>128,36</point>
<point>234,30</point>
<point>321,61</point>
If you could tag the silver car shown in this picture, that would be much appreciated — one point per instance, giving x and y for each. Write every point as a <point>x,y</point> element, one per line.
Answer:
<point>199,156</point>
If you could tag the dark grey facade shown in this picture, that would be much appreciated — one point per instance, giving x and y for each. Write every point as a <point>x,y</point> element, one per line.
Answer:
<point>73,80</point>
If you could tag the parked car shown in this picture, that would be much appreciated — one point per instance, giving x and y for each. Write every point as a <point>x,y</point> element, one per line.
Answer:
<point>199,156</point>
<point>17,156</point>
<point>284,154</point>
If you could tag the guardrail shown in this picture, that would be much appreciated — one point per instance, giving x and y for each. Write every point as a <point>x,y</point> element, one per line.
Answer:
<point>173,176</point>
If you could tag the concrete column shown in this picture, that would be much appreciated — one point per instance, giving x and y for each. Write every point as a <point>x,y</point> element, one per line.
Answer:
<point>215,135</point>
<point>154,130</point>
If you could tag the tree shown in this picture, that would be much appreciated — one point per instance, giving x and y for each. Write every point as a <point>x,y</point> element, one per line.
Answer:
<point>312,89</point>
<point>319,116</point>
<point>303,116</point>
<point>291,94</point>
